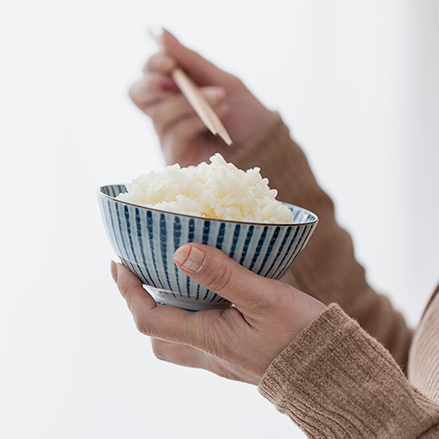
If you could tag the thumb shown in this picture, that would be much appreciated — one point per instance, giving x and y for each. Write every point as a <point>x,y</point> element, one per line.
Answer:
<point>201,70</point>
<point>214,270</point>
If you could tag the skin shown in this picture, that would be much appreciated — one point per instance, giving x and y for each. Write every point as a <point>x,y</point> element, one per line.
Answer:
<point>183,136</point>
<point>238,343</point>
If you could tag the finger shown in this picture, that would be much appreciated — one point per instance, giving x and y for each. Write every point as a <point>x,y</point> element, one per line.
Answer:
<point>160,63</point>
<point>211,268</point>
<point>151,89</point>
<point>201,70</point>
<point>178,353</point>
<point>163,322</point>
<point>191,357</point>
<point>179,141</point>
<point>131,288</point>
<point>208,331</point>
<point>189,125</point>
<point>171,111</point>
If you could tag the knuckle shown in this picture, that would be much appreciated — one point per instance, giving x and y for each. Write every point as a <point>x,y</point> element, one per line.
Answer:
<point>134,93</point>
<point>142,326</point>
<point>124,291</point>
<point>220,278</point>
<point>149,65</point>
<point>159,62</point>
<point>144,90</point>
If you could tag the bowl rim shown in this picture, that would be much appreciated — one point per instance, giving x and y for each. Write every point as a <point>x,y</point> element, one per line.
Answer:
<point>296,224</point>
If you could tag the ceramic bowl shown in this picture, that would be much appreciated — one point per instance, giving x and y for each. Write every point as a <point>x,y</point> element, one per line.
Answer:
<point>145,240</point>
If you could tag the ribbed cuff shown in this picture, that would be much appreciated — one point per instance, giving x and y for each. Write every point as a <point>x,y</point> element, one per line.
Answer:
<point>334,380</point>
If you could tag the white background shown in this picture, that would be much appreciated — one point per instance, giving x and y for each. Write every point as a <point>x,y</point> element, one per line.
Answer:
<point>356,81</point>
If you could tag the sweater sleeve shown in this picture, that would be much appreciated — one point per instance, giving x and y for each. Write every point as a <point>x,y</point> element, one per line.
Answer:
<point>327,268</point>
<point>336,381</point>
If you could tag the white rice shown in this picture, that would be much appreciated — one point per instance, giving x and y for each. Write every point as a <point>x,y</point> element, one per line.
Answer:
<point>216,190</point>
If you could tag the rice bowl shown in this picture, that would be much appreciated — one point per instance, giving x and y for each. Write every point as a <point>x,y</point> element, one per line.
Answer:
<point>262,234</point>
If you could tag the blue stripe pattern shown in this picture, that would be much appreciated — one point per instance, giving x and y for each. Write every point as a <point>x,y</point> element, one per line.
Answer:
<point>246,244</point>
<point>269,248</point>
<point>177,237</point>
<point>146,239</point>
<point>235,240</point>
<point>140,242</point>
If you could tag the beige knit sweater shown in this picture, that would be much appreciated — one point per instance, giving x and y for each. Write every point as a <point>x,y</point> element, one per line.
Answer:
<point>357,371</point>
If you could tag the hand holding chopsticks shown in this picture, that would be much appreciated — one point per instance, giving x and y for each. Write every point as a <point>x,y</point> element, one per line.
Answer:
<point>190,90</point>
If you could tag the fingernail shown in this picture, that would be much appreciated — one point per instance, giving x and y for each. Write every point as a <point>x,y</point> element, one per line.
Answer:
<point>114,271</point>
<point>214,94</point>
<point>190,259</point>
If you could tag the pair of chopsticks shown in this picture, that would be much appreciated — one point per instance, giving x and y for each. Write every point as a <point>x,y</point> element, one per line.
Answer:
<point>198,102</point>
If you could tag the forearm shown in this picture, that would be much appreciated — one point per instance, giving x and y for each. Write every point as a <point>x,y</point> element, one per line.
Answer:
<point>334,380</point>
<point>327,268</point>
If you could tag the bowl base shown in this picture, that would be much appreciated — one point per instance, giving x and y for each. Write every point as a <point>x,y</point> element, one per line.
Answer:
<point>165,297</point>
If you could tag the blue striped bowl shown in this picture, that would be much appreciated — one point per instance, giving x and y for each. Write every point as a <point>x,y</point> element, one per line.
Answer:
<point>145,240</point>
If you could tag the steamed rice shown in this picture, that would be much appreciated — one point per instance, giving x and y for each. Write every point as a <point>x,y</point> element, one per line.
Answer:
<point>216,190</point>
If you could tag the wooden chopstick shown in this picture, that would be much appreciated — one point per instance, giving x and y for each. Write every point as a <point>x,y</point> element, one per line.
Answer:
<point>198,102</point>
